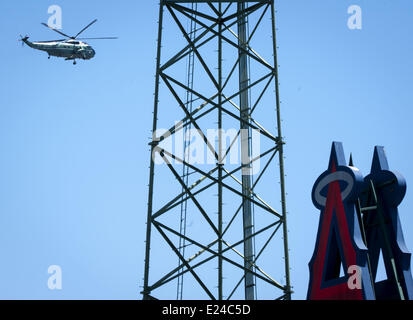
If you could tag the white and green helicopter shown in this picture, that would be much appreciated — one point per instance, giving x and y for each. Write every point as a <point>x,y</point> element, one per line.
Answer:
<point>70,48</point>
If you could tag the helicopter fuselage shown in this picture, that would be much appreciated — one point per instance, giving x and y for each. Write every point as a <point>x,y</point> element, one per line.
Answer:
<point>70,49</point>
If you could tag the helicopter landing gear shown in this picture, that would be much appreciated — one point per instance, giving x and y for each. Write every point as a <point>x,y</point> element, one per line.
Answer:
<point>48,57</point>
<point>74,62</point>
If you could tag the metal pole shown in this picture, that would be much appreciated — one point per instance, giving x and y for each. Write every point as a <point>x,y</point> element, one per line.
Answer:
<point>287,290</point>
<point>220,271</point>
<point>245,153</point>
<point>146,291</point>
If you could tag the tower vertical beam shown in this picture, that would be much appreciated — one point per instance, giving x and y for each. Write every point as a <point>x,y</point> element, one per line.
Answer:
<point>146,290</point>
<point>220,169</point>
<point>287,290</point>
<point>245,153</point>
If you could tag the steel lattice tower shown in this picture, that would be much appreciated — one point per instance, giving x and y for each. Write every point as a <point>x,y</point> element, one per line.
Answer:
<point>227,84</point>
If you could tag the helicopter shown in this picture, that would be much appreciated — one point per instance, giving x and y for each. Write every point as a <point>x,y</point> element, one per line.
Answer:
<point>70,48</point>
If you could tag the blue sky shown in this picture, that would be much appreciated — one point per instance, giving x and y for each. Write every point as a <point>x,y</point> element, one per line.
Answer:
<point>74,154</point>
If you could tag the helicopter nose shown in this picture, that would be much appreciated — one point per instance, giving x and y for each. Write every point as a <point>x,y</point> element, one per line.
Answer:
<point>92,53</point>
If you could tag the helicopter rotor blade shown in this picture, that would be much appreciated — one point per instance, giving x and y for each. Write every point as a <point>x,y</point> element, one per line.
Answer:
<point>101,38</point>
<point>63,34</point>
<point>85,28</point>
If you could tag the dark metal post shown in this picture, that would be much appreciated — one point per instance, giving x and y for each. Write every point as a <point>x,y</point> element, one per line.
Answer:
<point>245,153</point>
<point>287,290</point>
<point>220,271</point>
<point>146,291</point>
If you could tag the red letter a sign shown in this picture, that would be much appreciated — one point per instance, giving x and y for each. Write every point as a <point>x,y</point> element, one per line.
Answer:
<point>339,242</point>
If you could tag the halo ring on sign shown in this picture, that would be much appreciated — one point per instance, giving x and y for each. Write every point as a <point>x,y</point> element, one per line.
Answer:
<point>335,176</point>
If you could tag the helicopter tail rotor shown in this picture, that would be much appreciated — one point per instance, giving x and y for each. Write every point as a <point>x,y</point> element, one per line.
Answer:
<point>23,39</point>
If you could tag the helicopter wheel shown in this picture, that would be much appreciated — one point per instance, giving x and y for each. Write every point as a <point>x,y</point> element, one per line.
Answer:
<point>48,57</point>
<point>74,62</point>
